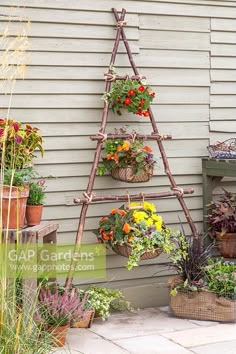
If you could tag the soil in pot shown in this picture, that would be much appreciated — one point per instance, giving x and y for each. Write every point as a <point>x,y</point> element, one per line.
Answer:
<point>34,214</point>
<point>18,198</point>
<point>227,244</point>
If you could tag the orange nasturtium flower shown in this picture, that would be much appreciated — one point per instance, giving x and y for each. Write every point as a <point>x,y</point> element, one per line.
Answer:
<point>130,238</point>
<point>126,145</point>
<point>105,236</point>
<point>119,148</point>
<point>126,228</point>
<point>147,148</point>
<point>122,212</point>
<point>109,156</point>
<point>113,211</point>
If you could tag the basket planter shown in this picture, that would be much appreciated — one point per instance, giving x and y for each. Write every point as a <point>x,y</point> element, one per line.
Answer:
<point>227,244</point>
<point>126,174</point>
<point>84,322</point>
<point>16,209</point>
<point>59,335</point>
<point>203,305</point>
<point>125,251</point>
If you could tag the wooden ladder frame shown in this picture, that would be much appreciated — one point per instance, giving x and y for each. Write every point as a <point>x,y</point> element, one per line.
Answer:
<point>100,137</point>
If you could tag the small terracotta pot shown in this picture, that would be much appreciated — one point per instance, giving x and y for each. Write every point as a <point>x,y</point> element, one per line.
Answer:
<point>33,214</point>
<point>18,198</point>
<point>227,244</point>
<point>59,335</point>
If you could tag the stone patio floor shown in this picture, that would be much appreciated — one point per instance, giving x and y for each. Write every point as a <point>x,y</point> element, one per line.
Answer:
<point>151,331</point>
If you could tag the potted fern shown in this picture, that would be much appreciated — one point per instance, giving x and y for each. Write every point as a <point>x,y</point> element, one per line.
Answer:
<point>35,201</point>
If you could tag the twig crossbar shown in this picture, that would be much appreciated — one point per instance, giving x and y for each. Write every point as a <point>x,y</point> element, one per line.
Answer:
<point>101,136</point>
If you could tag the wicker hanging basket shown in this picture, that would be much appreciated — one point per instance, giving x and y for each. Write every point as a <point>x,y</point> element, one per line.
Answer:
<point>126,174</point>
<point>125,251</point>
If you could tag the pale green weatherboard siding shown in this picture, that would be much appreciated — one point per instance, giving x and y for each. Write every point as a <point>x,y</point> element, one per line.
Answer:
<point>187,51</point>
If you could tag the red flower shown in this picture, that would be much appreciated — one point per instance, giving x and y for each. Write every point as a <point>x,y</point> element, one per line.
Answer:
<point>1,132</point>
<point>16,126</point>
<point>147,148</point>
<point>131,93</point>
<point>113,211</point>
<point>2,121</point>
<point>105,236</point>
<point>146,114</point>
<point>142,102</point>
<point>141,88</point>
<point>127,100</point>
<point>152,94</point>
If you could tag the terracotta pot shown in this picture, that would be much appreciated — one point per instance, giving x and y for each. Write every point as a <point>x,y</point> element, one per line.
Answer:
<point>227,244</point>
<point>33,214</point>
<point>18,199</point>
<point>59,335</point>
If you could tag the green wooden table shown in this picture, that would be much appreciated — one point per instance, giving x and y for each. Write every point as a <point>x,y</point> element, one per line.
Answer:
<point>213,171</point>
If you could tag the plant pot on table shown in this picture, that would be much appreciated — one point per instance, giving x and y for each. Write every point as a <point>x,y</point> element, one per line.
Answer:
<point>14,205</point>
<point>34,214</point>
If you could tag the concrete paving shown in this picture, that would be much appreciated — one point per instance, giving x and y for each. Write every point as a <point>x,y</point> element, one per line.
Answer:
<point>151,331</point>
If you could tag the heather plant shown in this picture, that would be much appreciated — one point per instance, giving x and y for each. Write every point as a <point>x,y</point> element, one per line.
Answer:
<point>36,193</point>
<point>60,308</point>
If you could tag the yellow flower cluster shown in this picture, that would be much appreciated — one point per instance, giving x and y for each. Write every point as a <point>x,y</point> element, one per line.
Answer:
<point>147,215</point>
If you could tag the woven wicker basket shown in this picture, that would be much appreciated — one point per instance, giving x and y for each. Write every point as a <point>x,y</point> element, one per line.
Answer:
<point>126,174</point>
<point>125,251</point>
<point>203,305</point>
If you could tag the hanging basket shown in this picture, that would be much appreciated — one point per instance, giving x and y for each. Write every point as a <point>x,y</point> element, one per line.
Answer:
<point>125,251</point>
<point>126,174</point>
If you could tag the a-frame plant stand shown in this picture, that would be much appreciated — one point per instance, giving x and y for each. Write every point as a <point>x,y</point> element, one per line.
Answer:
<point>100,137</point>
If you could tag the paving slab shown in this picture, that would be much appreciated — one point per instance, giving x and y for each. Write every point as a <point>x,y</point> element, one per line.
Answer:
<point>151,344</point>
<point>203,335</point>
<point>216,348</point>
<point>135,324</point>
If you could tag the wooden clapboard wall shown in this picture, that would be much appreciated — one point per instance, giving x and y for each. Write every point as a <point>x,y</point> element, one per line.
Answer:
<point>186,48</point>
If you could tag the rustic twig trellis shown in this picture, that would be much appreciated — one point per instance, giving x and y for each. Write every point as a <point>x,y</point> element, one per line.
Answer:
<point>100,137</point>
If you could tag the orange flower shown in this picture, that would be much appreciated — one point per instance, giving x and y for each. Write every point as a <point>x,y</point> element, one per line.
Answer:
<point>116,158</point>
<point>105,236</point>
<point>109,156</point>
<point>126,228</point>
<point>130,238</point>
<point>147,148</point>
<point>122,212</point>
<point>113,211</point>
<point>126,145</point>
<point>104,219</point>
<point>119,148</point>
